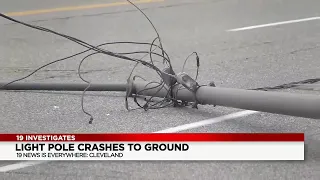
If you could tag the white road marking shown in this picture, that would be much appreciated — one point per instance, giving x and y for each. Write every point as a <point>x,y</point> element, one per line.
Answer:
<point>25,164</point>
<point>207,122</point>
<point>20,165</point>
<point>274,24</point>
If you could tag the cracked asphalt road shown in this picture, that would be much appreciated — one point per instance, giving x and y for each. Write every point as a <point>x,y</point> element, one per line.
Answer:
<point>245,59</point>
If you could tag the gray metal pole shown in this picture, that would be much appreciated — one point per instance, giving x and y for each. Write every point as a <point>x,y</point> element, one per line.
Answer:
<point>64,87</point>
<point>300,105</point>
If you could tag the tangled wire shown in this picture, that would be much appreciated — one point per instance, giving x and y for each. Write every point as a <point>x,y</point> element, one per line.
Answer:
<point>168,100</point>
<point>149,103</point>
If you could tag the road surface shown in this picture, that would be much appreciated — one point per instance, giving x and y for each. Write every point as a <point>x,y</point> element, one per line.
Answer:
<point>271,48</point>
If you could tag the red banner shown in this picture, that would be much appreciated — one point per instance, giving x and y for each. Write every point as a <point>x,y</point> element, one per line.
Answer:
<point>157,137</point>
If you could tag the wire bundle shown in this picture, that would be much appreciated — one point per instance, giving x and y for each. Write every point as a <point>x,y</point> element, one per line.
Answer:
<point>149,103</point>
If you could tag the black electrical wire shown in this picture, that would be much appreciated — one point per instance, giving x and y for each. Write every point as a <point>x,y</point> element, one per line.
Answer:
<point>158,37</point>
<point>87,45</point>
<point>155,29</point>
<point>98,50</point>
<point>169,92</point>
<point>91,47</point>
<point>89,84</point>
<point>198,63</point>
<point>74,55</point>
<point>145,106</point>
<point>129,78</point>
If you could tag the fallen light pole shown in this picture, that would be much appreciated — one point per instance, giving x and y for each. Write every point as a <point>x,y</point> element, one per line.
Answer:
<point>300,105</point>
<point>63,87</point>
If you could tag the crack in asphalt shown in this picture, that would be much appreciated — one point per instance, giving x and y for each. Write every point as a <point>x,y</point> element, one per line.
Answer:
<point>246,46</point>
<point>304,49</point>
<point>284,53</point>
